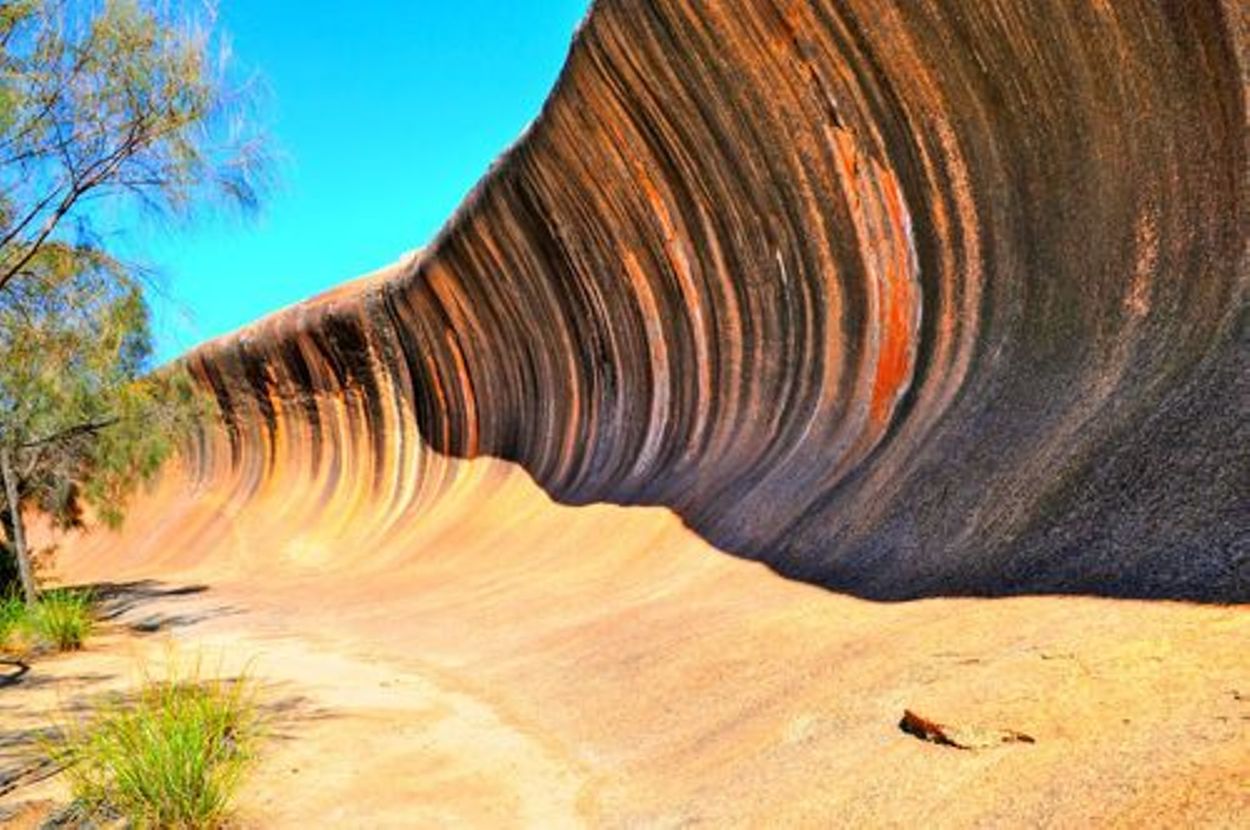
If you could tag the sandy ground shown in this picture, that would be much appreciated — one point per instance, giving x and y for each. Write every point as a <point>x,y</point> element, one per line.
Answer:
<point>339,729</point>
<point>1141,713</point>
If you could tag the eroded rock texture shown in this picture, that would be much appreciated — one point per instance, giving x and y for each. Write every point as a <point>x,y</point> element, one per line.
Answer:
<point>900,298</point>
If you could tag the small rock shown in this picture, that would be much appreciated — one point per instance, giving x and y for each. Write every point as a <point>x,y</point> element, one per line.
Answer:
<point>960,737</point>
<point>151,625</point>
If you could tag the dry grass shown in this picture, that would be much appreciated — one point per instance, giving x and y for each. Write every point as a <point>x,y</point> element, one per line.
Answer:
<point>62,619</point>
<point>170,755</point>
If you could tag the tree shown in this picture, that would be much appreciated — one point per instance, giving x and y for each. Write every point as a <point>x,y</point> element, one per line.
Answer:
<point>105,105</point>
<point>102,99</point>
<point>81,421</point>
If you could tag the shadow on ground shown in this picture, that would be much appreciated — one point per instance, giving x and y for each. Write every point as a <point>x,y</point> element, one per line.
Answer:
<point>126,599</point>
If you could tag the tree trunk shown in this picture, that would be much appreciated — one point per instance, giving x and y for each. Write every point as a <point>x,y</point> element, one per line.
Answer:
<point>24,570</point>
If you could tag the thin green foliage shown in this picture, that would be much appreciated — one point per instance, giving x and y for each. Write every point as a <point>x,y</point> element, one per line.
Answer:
<point>110,111</point>
<point>61,619</point>
<point>84,419</point>
<point>115,103</point>
<point>171,755</point>
<point>12,612</point>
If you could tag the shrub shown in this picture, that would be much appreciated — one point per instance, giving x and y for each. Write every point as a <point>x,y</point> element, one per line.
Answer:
<point>172,755</point>
<point>12,613</point>
<point>62,618</point>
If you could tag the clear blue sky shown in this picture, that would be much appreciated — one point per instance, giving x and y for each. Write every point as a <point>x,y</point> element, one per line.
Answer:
<point>387,113</point>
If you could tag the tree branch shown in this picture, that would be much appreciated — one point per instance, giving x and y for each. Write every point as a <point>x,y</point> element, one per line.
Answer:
<point>89,428</point>
<point>92,176</point>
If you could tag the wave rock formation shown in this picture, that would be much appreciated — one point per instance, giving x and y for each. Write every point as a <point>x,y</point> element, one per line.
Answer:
<point>908,299</point>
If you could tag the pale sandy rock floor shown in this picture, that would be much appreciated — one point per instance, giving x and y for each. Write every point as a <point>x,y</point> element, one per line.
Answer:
<point>751,712</point>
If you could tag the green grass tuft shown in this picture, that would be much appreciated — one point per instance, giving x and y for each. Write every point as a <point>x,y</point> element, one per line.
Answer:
<point>170,756</point>
<point>12,613</point>
<point>63,618</point>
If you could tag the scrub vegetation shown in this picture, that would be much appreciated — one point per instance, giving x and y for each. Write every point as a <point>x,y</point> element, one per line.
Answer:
<point>171,755</point>
<point>60,620</point>
<point>112,113</point>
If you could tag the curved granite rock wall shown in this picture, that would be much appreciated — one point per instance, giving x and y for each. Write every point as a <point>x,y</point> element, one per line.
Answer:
<point>901,298</point>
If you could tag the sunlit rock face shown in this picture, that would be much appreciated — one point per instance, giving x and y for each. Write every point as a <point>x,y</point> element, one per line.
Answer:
<point>903,299</point>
